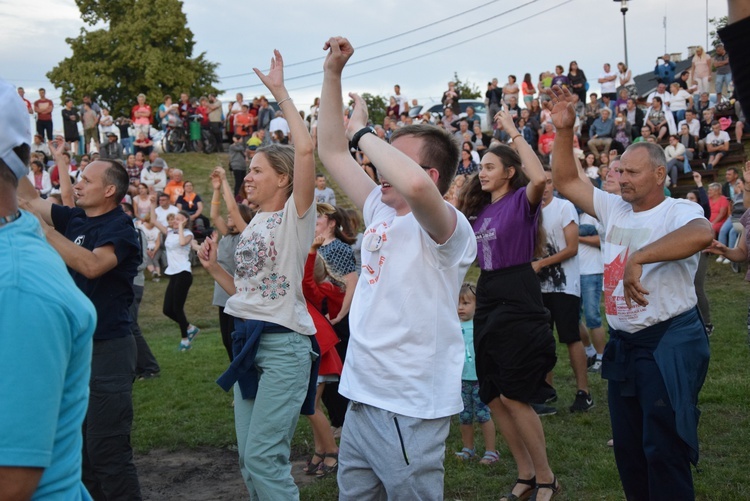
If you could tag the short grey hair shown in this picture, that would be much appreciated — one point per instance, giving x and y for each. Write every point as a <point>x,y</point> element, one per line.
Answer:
<point>656,154</point>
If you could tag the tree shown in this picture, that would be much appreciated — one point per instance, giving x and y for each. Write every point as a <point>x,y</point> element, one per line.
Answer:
<point>376,107</point>
<point>146,48</point>
<point>717,25</point>
<point>466,90</point>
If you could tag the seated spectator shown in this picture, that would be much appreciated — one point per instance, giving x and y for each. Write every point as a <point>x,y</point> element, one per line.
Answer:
<point>481,140</point>
<point>143,144</point>
<point>466,166</point>
<point>703,103</point>
<point>676,159</point>
<point>717,144</point>
<point>719,207</point>
<point>192,203</point>
<point>39,178</point>
<point>622,133</point>
<point>472,117</point>
<point>463,128</point>
<point>692,123</point>
<point>656,118</point>
<point>469,146</point>
<point>112,149</point>
<point>687,140</point>
<point>175,186</point>
<point>38,145</point>
<point>622,100</point>
<point>592,109</point>
<point>634,116</point>
<point>546,140</point>
<point>154,176</point>
<point>680,100</point>
<point>601,132</point>
<point>448,120</point>
<point>134,171</point>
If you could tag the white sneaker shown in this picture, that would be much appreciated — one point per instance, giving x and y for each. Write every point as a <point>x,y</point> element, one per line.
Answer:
<point>719,259</point>
<point>726,261</point>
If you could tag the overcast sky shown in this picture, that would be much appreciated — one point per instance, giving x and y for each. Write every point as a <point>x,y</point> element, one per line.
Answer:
<point>240,35</point>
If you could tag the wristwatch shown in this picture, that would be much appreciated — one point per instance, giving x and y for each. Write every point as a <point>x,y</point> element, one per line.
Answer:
<point>353,144</point>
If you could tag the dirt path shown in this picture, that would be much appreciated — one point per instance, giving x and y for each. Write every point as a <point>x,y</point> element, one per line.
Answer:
<point>203,474</point>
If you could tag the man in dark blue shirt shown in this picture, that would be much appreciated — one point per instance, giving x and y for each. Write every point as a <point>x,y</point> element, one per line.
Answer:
<point>99,245</point>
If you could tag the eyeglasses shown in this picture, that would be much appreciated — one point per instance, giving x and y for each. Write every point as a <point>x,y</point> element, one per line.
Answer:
<point>470,286</point>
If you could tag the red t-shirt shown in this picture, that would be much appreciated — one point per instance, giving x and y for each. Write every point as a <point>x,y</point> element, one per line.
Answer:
<point>44,116</point>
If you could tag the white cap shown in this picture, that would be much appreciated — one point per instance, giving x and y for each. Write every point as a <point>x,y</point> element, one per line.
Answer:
<point>15,127</point>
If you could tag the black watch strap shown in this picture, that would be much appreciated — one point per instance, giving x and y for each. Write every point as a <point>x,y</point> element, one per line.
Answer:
<point>354,143</point>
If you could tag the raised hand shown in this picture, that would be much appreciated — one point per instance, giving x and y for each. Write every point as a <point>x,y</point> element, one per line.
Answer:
<point>216,179</point>
<point>563,111</point>
<point>274,80</point>
<point>358,120</point>
<point>697,178</point>
<point>340,50</point>
<point>58,150</point>
<point>317,244</point>
<point>504,120</point>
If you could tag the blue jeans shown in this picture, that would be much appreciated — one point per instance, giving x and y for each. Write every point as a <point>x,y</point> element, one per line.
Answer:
<point>127,145</point>
<point>591,296</point>
<point>265,425</point>
<point>722,80</point>
<point>727,235</point>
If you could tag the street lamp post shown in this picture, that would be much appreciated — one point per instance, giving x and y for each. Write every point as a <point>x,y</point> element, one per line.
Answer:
<point>624,10</point>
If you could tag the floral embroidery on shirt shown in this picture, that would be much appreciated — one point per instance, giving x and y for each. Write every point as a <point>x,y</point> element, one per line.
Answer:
<point>250,255</point>
<point>274,220</point>
<point>274,286</point>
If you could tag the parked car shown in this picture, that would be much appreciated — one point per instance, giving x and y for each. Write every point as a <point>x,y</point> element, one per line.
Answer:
<point>480,109</point>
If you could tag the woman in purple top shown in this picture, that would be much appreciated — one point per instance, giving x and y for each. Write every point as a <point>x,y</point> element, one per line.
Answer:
<point>512,336</point>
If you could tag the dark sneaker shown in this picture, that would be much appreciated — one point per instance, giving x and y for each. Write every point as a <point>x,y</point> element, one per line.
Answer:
<point>552,398</point>
<point>583,402</point>
<point>192,332</point>
<point>148,375</point>
<point>709,329</point>
<point>543,410</point>
<point>590,360</point>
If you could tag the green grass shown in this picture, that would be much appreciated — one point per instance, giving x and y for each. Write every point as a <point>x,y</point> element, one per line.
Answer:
<point>184,408</point>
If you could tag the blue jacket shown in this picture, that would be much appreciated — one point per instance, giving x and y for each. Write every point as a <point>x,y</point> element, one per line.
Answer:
<point>245,341</point>
<point>680,348</point>
<point>665,72</point>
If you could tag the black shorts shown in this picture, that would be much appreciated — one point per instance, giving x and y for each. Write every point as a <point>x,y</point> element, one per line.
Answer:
<point>564,311</point>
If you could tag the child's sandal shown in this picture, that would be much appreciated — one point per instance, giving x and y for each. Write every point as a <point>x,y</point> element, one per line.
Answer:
<point>465,454</point>
<point>490,457</point>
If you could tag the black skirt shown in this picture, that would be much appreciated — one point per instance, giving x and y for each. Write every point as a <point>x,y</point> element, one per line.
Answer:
<point>513,339</point>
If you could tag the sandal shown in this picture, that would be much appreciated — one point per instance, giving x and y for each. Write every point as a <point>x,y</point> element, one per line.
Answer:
<point>525,494</point>
<point>465,454</point>
<point>312,468</point>
<point>490,457</point>
<point>324,470</point>
<point>554,486</point>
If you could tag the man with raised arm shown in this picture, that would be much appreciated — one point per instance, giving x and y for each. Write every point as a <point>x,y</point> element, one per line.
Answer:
<point>99,243</point>
<point>657,357</point>
<point>404,361</point>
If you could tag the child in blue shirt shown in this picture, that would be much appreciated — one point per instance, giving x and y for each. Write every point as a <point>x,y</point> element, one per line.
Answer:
<point>474,408</point>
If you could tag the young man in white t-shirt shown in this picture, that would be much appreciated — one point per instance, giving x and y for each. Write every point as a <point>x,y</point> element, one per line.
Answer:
<point>657,357</point>
<point>717,144</point>
<point>323,194</point>
<point>559,275</point>
<point>405,355</point>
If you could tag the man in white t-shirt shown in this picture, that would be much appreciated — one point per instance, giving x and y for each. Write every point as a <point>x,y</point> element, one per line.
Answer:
<point>693,124</point>
<point>405,355</point>
<point>608,82</point>
<point>401,100</point>
<point>717,144</point>
<point>164,209</point>
<point>660,92</point>
<point>559,275</point>
<point>657,357</point>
